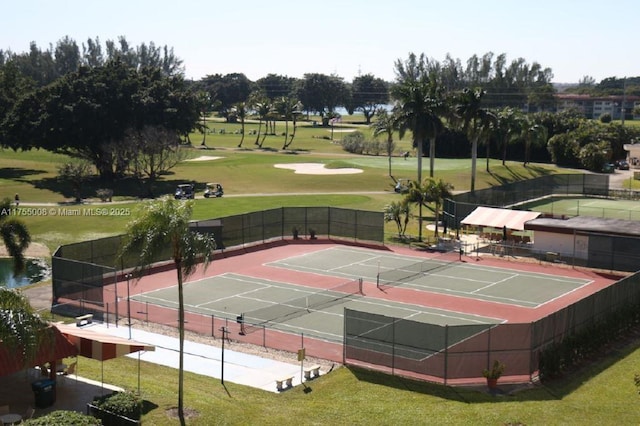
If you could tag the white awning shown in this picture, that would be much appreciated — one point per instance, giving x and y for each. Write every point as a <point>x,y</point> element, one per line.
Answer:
<point>499,218</point>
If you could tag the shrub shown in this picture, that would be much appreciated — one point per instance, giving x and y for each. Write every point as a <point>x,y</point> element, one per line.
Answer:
<point>104,194</point>
<point>64,418</point>
<point>605,118</point>
<point>353,142</point>
<point>126,404</point>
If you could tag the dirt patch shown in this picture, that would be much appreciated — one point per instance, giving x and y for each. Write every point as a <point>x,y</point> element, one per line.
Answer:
<point>189,413</point>
<point>316,169</point>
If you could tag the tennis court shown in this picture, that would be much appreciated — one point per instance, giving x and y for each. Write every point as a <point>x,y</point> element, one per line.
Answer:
<point>448,274</point>
<point>293,308</point>
<point>367,281</point>
<point>582,206</point>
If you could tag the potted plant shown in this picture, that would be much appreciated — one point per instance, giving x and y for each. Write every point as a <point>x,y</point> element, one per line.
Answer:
<point>294,231</point>
<point>312,234</point>
<point>493,374</point>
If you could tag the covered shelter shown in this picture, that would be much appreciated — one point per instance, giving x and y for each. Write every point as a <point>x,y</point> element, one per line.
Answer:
<point>504,222</point>
<point>54,348</point>
<point>100,346</point>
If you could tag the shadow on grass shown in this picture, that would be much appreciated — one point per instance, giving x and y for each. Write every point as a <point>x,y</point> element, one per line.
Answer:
<point>148,406</point>
<point>551,389</point>
<point>18,173</point>
<point>514,176</point>
<point>126,187</point>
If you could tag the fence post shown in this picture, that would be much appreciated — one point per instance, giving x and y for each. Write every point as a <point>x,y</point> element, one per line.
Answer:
<point>446,352</point>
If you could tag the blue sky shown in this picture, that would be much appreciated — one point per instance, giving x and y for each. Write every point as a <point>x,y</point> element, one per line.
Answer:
<point>572,37</point>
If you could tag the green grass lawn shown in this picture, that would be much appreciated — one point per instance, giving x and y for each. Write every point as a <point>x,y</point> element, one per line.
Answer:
<point>601,394</point>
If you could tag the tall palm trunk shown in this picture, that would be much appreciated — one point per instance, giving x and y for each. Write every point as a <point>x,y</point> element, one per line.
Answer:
<point>286,133</point>
<point>259,130</point>
<point>432,155</point>
<point>181,344</point>
<point>474,160</point>
<point>419,147</point>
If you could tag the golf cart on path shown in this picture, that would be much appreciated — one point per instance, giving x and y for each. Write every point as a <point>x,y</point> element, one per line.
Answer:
<point>185,191</point>
<point>213,190</point>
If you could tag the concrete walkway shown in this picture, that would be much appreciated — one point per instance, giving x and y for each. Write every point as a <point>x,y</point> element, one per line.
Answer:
<point>240,368</point>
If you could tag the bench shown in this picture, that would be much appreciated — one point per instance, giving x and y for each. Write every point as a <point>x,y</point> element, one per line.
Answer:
<point>312,372</point>
<point>84,320</point>
<point>280,383</point>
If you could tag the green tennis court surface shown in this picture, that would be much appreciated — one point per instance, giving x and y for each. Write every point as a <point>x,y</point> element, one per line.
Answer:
<point>579,206</point>
<point>231,295</point>
<point>446,275</point>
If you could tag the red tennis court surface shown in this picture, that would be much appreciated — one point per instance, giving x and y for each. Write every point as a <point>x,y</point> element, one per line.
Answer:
<point>253,262</point>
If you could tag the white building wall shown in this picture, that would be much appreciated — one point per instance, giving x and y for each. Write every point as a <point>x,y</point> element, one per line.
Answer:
<point>562,243</point>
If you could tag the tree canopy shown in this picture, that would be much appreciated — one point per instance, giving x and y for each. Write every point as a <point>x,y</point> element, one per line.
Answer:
<point>87,113</point>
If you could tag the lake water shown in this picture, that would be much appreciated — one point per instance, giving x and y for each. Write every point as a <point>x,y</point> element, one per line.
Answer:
<point>37,270</point>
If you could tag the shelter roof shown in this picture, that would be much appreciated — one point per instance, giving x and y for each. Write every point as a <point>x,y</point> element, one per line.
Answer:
<point>100,346</point>
<point>499,218</point>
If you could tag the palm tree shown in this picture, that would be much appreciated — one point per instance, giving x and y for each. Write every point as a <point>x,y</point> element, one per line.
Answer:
<point>419,108</point>
<point>509,126</point>
<point>475,121</point>
<point>429,191</point>
<point>240,110</point>
<point>437,191</point>
<point>163,224</point>
<point>399,212</point>
<point>15,236</point>
<point>288,108</point>
<point>385,124</point>
<point>535,134</point>
<point>21,329</point>
<point>263,108</point>
<point>204,102</point>
<point>417,194</point>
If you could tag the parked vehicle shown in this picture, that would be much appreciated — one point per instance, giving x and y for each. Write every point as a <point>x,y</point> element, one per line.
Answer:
<point>185,191</point>
<point>622,165</point>
<point>608,168</point>
<point>402,186</point>
<point>213,190</point>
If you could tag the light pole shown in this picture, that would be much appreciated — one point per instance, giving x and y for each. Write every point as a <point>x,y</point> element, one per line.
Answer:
<point>129,304</point>
<point>224,336</point>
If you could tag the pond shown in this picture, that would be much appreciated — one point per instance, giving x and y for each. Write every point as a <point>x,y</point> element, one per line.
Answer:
<point>37,270</point>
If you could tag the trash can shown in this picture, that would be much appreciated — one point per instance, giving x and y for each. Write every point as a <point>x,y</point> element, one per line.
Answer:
<point>45,392</point>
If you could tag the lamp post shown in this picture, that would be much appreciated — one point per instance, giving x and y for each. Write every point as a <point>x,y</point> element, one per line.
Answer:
<point>224,336</point>
<point>129,304</point>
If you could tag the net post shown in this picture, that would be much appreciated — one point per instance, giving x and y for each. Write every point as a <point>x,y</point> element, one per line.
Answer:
<point>378,280</point>
<point>360,289</point>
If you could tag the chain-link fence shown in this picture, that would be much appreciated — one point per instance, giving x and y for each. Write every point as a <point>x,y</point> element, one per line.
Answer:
<point>460,206</point>
<point>84,274</point>
<point>449,354</point>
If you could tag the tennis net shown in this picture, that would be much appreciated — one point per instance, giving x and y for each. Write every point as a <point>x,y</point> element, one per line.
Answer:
<point>410,272</point>
<point>294,308</point>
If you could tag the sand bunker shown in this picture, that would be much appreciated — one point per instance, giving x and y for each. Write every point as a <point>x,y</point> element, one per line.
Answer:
<point>316,169</point>
<point>204,158</point>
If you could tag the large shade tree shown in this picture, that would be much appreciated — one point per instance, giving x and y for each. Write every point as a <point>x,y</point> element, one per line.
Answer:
<point>85,114</point>
<point>368,94</point>
<point>160,225</point>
